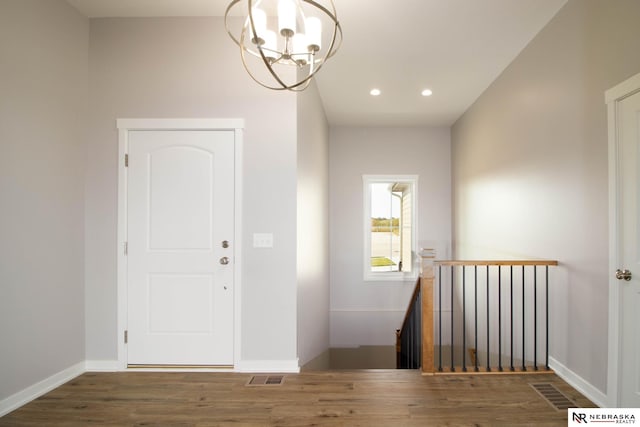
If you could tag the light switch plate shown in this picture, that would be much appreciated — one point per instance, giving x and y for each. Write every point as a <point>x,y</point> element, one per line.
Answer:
<point>262,240</point>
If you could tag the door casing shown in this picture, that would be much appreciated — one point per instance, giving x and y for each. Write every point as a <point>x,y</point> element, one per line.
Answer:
<point>612,97</point>
<point>126,125</point>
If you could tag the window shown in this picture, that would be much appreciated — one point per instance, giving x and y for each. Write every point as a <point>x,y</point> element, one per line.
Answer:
<point>390,227</point>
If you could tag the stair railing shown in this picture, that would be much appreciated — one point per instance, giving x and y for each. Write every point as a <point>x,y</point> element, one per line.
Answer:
<point>477,316</point>
<point>484,316</point>
<point>409,336</point>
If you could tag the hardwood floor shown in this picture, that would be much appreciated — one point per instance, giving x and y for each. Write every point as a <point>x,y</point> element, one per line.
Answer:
<point>338,398</point>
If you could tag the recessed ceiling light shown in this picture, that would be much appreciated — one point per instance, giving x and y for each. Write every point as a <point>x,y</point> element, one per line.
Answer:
<point>427,92</point>
<point>375,92</point>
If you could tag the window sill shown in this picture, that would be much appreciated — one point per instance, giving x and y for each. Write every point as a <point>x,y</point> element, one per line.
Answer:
<point>390,277</point>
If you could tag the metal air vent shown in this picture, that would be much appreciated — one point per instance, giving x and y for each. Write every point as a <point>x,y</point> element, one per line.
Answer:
<point>553,396</point>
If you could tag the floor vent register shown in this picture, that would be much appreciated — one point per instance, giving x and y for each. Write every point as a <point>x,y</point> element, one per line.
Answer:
<point>555,397</point>
<point>266,380</point>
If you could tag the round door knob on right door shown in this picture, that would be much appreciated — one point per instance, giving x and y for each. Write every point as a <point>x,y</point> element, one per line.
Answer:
<point>224,260</point>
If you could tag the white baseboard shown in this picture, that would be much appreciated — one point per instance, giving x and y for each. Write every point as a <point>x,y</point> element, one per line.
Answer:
<point>579,383</point>
<point>38,389</point>
<point>102,366</point>
<point>265,366</point>
<point>268,366</point>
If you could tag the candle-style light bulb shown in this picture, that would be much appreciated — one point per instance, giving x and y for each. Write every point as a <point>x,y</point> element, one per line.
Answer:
<point>313,29</point>
<point>287,17</point>
<point>300,51</point>
<point>260,25</point>
<point>270,46</point>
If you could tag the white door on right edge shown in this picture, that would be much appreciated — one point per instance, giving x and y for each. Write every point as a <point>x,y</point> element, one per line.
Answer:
<point>629,374</point>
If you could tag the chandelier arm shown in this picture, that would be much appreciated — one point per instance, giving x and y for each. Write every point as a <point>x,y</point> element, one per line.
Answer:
<point>270,68</point>
<point>266,63</point>
<point>306,81</point>
<point>273,73</point>
<point>254,78</point>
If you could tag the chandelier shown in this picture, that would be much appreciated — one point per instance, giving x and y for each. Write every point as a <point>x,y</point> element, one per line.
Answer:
<point>284,43</point>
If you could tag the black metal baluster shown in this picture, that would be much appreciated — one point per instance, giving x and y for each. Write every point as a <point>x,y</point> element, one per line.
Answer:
<point>453,367</point>
<point>419,329</point>
<point>402,347</point>
<point>500,318</point>
<point>414,339</point>
<point>417,334</point>
<point>488,352</point>
<point>511,302</point>
<point>440,318</point>
<point>464,320</point>
<point>475,313</point>
<point>406,345</point>
<point>401,357</point>
<point>409,341</point>
<point>535,317</point>
<point>546,363</point>
<point>524,368</point>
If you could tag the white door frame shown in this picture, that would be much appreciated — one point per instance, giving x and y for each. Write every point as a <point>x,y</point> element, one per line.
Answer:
<point>126,125</point>
<point>612,98</point>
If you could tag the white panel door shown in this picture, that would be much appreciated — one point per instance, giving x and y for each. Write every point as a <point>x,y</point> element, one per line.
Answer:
<point>180,213</point>
<point>629,128</point>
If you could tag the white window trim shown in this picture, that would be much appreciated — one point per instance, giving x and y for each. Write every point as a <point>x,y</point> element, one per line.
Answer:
<point>388,276</point>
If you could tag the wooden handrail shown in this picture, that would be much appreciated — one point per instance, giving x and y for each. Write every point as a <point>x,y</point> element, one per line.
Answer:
<point>501,263</point>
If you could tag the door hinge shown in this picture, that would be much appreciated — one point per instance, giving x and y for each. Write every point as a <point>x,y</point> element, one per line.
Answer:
<point>126,248</point>
<point>126,337</point>
<point>126,160</point>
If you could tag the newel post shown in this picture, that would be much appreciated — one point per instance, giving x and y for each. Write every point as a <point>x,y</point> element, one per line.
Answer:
<point>427,279</point>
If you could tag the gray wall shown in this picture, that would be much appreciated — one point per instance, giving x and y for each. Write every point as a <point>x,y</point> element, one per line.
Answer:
<point>188,67</point>
<point>313,226</point>
<point>43,90</point>
<point>530,168</point>
<point>368,313</point>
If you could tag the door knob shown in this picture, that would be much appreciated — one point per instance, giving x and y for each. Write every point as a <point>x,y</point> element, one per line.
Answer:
<point>224,260</point>
<point>623,274</point>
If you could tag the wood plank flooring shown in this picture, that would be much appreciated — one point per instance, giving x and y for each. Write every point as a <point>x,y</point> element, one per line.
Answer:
<point>336,398</point>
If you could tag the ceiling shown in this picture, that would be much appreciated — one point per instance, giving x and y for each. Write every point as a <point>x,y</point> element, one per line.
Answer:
<point>456,48</point>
